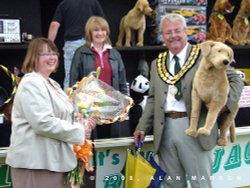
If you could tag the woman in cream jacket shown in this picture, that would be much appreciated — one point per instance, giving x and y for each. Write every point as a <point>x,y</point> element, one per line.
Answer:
<point>41,150</point>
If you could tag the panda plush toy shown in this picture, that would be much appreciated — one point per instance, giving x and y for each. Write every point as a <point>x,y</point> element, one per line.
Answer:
<point>138,91</point>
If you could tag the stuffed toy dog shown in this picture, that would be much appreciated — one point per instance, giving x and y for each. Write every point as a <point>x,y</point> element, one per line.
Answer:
<point>134,21</point>
<point>211,87</point>
<point>248,36</point>
<point>219,29</point>
<point>241,24</point>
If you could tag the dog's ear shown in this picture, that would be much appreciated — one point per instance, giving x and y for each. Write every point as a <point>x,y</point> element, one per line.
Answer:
<point>139,6</point>
<point>231,56</point>
<point>206,47</point>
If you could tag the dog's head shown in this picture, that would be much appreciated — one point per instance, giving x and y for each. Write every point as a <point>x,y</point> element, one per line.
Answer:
<point>143,6</point>
<point>223,6</point>
<point>217,54</point>
<point>244,8</point>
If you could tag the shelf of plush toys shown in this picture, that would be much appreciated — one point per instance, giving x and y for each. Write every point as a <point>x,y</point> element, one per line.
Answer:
<point>142,48</point>
<point>237,49</point>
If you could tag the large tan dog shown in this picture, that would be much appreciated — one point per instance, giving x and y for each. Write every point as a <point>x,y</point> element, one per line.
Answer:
<point>218,27</point>
<point>211,88</point>
<point>134,21</point>
<point>241,24</point>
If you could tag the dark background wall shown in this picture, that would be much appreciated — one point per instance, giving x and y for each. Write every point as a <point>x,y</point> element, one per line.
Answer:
<point>30,13</point>
<point>37,14</point>
<point>28,10</point>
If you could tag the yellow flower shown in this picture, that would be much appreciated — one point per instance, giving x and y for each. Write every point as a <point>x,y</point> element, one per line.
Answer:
<point>82,105</point>
<point>84,111</point>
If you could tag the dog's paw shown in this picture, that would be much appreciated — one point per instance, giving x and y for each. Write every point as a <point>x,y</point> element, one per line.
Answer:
<point>221,142</point>
<point>139,44</point>
<point>118,44</point>
<point>204,131</point>
<point>191,132</point>
<point>127,45</point>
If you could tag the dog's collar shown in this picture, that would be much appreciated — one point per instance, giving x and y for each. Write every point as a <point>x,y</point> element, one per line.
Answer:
<point>219,15</point>
<point>163,72</point>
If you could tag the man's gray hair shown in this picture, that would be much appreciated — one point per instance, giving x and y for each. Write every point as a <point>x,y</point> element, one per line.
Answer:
<point>171,17</point>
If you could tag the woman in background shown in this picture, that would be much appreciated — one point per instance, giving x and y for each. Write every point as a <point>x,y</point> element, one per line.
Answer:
<point>98,52</point>
<point>41,149</point>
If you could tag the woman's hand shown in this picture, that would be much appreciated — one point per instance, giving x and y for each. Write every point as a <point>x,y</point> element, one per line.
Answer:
<point>90,124</point>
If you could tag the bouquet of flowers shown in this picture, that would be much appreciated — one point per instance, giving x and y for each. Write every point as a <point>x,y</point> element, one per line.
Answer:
<point>93,98</point>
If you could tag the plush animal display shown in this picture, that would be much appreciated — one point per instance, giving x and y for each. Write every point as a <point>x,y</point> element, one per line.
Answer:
<point>218,27</point>
<point>151,31</point>
<point>241,24</point>
<point>134,21</point>
<point>138,91</point>
<point>211,87</point>
<point>248,36</point>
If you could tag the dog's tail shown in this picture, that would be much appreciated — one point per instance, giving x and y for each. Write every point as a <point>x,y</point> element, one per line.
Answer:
<point>232,132</point>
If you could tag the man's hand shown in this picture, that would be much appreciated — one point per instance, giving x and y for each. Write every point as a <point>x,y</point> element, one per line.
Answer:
<point>75,186</point>
<point>139,134</point>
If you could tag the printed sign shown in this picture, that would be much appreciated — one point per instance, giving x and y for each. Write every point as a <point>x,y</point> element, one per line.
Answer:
<point>231,164</point>
<point>231,167</point>
<point>245,97</point>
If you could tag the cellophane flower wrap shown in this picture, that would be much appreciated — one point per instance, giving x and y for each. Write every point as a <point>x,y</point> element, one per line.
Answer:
<point>94,98</point>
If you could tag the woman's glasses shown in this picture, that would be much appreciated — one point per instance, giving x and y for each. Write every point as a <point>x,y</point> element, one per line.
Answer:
<point>48,54</point>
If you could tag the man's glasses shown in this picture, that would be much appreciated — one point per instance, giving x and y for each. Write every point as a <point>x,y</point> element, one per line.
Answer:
<point>177,32</point>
